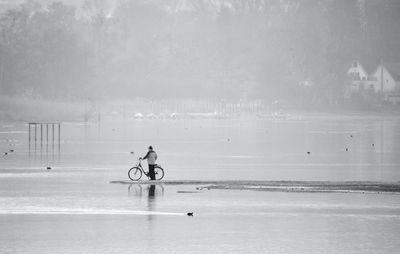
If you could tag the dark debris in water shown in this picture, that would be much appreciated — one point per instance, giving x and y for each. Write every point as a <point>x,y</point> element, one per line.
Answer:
<point>285,186</point>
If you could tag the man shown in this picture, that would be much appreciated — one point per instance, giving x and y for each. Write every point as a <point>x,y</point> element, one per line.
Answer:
<point>151,157</point>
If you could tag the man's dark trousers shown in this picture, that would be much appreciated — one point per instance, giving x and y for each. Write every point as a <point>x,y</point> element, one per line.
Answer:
<point>152,173</point>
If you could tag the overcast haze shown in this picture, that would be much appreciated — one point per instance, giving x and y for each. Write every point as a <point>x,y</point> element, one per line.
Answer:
<point>255,49</point>
<point>199,126</point>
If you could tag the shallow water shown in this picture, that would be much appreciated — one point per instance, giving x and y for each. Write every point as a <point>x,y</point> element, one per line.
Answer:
<point>73,208</point>
<point>249,149</point>
<point>129,219</point>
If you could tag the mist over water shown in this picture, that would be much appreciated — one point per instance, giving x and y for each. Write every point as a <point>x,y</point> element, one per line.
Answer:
<point>310,55</point>
<point>232,95</point>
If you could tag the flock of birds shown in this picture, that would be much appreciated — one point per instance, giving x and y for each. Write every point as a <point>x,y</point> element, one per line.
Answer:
<point>13,150</point>
<point>49,168</point>
<point>10,150</point>
<point>347,149</point>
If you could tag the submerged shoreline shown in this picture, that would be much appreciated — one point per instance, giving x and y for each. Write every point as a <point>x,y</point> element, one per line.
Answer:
<point>285,186</point>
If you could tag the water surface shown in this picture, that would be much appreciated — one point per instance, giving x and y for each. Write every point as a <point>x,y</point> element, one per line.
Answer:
<point>72,208</point>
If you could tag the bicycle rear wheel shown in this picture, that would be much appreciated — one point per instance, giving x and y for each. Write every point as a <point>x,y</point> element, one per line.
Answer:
<point>159,172</point>
<point>135,173</point>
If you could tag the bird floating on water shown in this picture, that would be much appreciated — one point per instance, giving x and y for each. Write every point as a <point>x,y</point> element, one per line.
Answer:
<point>48,168</point>
<point>190,214</point>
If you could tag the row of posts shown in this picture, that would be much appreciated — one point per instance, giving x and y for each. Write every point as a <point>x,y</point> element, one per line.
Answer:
<point>36,134</point>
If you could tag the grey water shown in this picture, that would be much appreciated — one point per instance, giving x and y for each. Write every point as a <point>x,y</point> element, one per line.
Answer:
<point>72,208</point>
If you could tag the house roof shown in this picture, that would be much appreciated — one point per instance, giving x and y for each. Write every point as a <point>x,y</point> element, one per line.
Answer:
<point>370,67</point>
<point>360,64</point>
<point>394,70</point>
<point>368,63</point>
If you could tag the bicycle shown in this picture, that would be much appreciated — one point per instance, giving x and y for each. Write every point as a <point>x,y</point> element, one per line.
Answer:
<point>136,172</point>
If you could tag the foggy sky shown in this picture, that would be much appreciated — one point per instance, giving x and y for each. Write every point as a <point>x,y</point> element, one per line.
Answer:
<point>250,49</point>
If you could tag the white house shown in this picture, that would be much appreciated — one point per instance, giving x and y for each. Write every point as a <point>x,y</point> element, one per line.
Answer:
<point>383,81</point>
<point>357,75</point>
<point>357,71</point>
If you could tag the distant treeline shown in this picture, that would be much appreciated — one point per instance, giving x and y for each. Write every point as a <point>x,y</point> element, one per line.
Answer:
<point>212,49</point>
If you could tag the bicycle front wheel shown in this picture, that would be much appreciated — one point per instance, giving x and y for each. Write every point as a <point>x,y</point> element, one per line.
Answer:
<point>135,173</point>
<point>159,172</point>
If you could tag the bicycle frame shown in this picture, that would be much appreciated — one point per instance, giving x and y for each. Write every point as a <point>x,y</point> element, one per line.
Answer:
<point>139,165</point>
<point>146,173</point>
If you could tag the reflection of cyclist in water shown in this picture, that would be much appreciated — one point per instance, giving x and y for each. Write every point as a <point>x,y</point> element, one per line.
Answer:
<point>152,191</point>
<point>151,157</point>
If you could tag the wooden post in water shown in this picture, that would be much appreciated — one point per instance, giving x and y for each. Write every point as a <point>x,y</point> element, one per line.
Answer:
<point>59,137</point>
<point>42,138</point>
<point>47,137</point>
<point>29,131</point>
<point>35,132</point>
<point>52,125</point>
